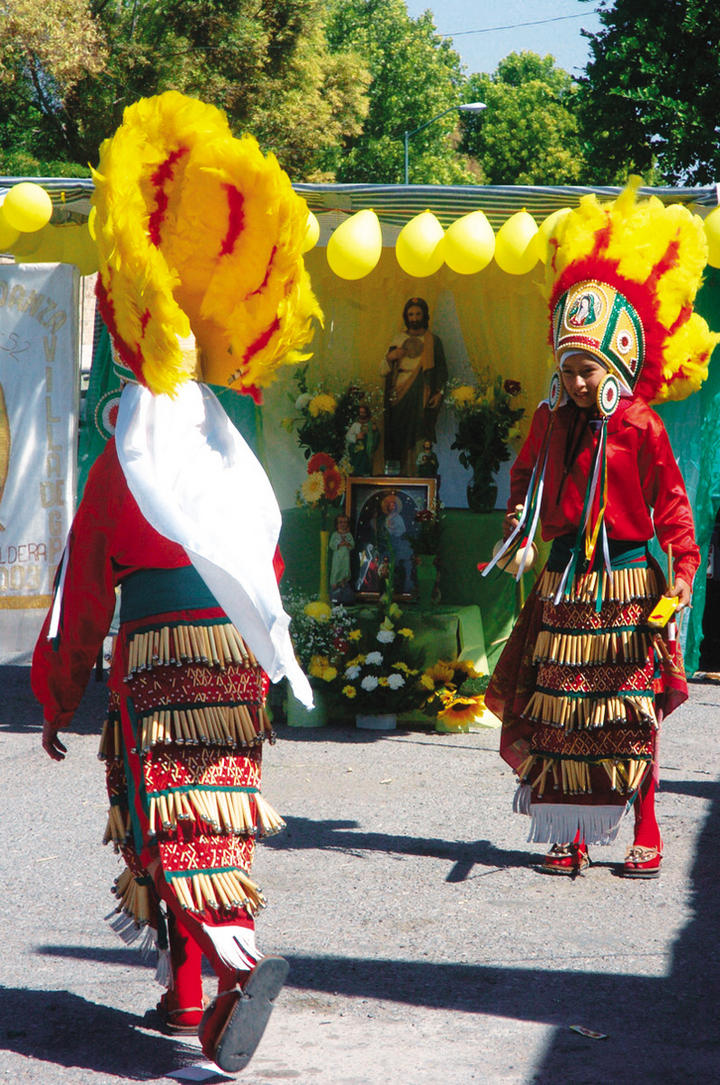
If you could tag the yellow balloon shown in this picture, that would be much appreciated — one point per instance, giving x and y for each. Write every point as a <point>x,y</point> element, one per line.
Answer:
<point>420,247</point>
<point>27,207</point>
<point>547,229</point>
<point>78,248</point>
<point>8,233</point>
<point>712,232</point>
<point>43,247</point>
<point>515,245</point>
<point>355,247</point>
<point>469,243</point>
<point>312,233</point>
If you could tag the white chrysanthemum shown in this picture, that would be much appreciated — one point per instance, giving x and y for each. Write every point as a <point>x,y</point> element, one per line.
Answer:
<point>374,659</point>
<point>369,683</point>
<point>352,672</point>
<point>395,681</point>
<point>302,401</point>
<point>386,636</point>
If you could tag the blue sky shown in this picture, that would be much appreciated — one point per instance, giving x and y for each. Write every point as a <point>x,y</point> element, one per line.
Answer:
<point>477,37</point>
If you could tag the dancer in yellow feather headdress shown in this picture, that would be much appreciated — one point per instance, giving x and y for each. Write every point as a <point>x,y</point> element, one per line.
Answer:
<point>201,279</point>
<point>587,676</point>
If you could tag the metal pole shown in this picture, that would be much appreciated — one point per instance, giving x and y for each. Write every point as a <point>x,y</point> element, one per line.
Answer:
<point>407,163</point>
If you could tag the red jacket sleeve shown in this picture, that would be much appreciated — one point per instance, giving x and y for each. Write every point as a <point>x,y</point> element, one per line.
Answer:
<point>61,667</point>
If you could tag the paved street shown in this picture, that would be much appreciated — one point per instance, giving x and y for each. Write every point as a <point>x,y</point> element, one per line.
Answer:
<point>423,945</point>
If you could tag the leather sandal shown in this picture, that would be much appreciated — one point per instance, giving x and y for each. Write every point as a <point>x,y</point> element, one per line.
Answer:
<point>175,1021</point>
<point>567,859</point>
<point>234,1022</point>
<point>641,862</point>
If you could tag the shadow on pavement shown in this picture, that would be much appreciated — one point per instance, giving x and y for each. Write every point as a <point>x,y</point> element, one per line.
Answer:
<point>20,713</point>
<point>335,836</point>
<point>61,1028</point>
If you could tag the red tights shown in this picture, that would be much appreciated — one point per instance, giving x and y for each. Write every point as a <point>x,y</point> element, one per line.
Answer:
<point>647,833</point>
<point>188,944</point>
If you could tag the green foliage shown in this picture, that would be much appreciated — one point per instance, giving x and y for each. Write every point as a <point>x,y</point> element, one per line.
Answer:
<point>415,75</point>
<point>528,135</point>
<point>485,416</point>
<point>265,62</point>
<point>649,102</point>
<point>323,418</point>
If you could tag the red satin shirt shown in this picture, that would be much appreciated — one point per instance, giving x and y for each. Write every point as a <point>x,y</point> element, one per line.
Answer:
<point>646,492</point>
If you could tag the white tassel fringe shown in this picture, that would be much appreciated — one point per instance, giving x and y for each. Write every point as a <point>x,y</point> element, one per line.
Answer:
<point>557,823</point>
<point>235,946</point>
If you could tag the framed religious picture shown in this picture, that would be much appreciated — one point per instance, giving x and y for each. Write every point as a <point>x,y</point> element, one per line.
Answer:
<point>382,515</point>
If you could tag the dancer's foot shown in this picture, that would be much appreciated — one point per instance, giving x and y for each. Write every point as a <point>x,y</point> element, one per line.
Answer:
<point>568,859</point>
<point>642,862</point>
<point>233,1024</point>
<point>170,1018</point>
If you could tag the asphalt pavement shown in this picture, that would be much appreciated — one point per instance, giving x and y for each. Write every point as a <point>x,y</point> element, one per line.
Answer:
<point>423,944</point>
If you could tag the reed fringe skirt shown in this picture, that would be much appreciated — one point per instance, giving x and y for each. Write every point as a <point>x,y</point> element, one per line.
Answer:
<point>578,690</point>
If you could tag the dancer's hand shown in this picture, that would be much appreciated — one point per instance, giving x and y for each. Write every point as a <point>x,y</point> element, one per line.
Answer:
<point>682,590</point>
<point>51,743</point>
<point>509,524</point>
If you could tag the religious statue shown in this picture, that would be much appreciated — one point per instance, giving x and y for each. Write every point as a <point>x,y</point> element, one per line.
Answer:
<point>415,373</point>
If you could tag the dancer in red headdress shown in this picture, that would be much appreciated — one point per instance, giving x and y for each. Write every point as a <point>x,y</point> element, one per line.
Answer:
<point>586,677</point>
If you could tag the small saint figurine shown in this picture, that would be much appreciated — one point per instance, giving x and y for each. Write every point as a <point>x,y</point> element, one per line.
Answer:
<point>427,462</point>
<point>361,440</point>
<point>341,546</point>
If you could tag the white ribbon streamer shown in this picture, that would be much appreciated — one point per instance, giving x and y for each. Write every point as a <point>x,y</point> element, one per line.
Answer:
<point>198,483</point>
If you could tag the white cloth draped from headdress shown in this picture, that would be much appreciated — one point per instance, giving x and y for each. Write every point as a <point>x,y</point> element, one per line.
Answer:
<point>198,483</point>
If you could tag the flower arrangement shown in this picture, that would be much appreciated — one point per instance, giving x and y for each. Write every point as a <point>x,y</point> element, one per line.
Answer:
<point>486,421</point>
<point>320,634</point>
<point>324,485</point>
<point>322,418</point>
<point>454,693</point>
<point>380,676</point>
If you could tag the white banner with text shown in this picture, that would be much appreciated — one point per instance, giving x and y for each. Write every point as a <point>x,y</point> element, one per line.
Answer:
<point>39,397</point>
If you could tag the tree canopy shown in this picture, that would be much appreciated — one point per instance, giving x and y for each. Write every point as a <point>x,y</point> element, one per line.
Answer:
<point>415,75</point>
<point>649,99</point>
<point>528,135</point>
<point>265,62</point>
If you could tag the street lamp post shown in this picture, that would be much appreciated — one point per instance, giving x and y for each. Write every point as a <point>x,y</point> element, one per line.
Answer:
<point>469,107</point>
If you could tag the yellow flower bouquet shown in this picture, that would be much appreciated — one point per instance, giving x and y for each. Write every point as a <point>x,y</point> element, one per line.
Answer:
<point>454,694</point>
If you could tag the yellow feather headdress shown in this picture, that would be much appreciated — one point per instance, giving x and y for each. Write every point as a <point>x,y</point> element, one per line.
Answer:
<point>199,234</point>
<point>622,279</point>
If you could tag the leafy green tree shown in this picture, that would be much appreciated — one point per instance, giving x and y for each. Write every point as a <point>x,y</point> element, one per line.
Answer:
<point>415,76</point>
<point>265,62</point>
<point>528,135</point>
<point>649,100</point>
<point>45,50</point>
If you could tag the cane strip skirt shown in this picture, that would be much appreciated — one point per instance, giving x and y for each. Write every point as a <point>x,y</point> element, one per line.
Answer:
<point>592,709</point>
<point>183,747</point>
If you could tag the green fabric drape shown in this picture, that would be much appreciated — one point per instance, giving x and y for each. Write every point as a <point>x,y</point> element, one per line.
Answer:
<point>694,430</point>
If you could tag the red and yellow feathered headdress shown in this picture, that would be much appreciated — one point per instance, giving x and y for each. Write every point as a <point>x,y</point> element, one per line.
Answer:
<point>200,235</point>
<point>622,279</point>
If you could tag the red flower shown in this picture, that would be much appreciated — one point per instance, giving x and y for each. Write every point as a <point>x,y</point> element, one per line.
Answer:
<point>513,388</point>
<point>321,461</point>
<point>334,484</point>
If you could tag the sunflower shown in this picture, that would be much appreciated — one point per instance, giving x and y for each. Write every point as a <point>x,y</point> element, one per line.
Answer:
<point>459,714</point>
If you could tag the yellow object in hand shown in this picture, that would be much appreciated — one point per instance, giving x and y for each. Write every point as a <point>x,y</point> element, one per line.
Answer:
<point>663,611</point>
